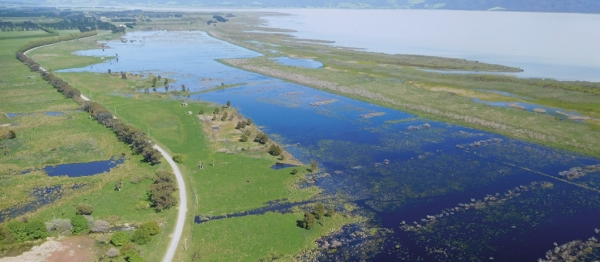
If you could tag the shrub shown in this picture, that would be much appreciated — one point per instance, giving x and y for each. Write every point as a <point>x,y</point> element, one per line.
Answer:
<point>141,237</point>
<point>151,227</point>
<point>36,230</point>
<point>244,138</point>
<point>17,230</point>
<point>294,171</point>
<point>130,253</point>
<point>100,226</point>
<point>112,252</point>
<point>119,239</point>
<point>80,225</point>
<point>178,158</point>
<point>61,226</point>
<point>5,236</point>
<point>84,209</point>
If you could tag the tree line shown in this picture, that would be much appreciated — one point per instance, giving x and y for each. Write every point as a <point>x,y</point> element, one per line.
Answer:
<point>138,140</point>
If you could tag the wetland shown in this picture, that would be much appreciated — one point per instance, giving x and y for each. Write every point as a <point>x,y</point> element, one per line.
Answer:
<point>493,195</point>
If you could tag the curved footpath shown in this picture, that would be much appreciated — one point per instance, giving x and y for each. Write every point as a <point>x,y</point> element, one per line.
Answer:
<point>180,184</point>
<point>182,202</point>
<point>182,207</point>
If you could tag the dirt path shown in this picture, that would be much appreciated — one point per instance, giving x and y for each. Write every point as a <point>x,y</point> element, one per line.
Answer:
<point>182,207</point>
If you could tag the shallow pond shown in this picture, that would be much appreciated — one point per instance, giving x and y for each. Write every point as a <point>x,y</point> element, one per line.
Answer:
<point>299,62</point>
<point>393,165</point>
<point>83,169</point>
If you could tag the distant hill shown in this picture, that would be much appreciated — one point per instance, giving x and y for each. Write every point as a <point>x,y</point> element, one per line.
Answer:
<point>561,6</point>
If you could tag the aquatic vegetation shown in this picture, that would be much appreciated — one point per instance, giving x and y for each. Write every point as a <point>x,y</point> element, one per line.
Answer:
<point>577,172</point>
<point>571,251</point>
<point>480,143</point>
<point>488,200</point>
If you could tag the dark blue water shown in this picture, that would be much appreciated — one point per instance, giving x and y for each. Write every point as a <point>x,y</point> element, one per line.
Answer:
<point>83,169</point>
<point>299,62</point>
<point>390,170</point>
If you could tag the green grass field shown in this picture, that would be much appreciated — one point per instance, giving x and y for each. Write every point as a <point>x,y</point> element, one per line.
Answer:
<point>68,138</point>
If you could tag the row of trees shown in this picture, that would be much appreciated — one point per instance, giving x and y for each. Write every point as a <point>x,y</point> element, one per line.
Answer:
<point>47,41</point>
<point>139,141</point>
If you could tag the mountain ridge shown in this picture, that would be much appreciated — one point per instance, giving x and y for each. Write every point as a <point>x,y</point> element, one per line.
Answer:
<point>559,6</point>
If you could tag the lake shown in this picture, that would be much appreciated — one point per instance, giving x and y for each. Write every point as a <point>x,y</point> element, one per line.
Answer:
<point>393,165</point>
<point>544,45</point>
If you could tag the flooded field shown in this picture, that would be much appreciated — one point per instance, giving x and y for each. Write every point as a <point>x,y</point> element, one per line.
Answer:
<point>436,191</point>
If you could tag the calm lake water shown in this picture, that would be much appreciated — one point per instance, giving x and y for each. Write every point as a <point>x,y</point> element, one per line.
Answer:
<point>545,45</point>
<point>393,165</point>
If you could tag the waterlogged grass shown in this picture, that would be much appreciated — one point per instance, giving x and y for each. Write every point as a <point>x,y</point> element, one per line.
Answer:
<point>237,182</point>
<point>376,78</point>
<point>253,238</point>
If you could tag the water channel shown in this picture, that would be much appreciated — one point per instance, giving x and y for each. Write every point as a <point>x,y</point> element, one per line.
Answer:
<point>393,165</point>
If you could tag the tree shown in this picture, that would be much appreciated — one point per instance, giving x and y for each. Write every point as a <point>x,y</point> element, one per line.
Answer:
<point>166,82</point>
<point>313,166</point>
<point>228,103</point>
<point>12,134</point>
<point>244,138</point>
<point>224,117</point>
<point>309,220</point>
<point>216,111</point>
<point>261,138</point>
<point>319,211</point>
<point>120,238</point>
<point>161,191</point>
<point>249,122</point>
<point>84,209</point>
<point>330,212</point>
<point>154,82</point>
<point>275,150</point>
<point>294,171</point>
<point>123,75</point>
<point>109,71</point>
<point>80,225</point>
<point>201,111</point>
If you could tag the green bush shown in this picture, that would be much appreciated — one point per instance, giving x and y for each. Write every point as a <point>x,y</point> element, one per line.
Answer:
<point>151,227</point>
<point>80,225</point>
<point>141,237</point>
<point>84,209</point>
<point>119,239</point>
<point>17,230</point>
<point>178,158</point>
<point>36,230</point>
